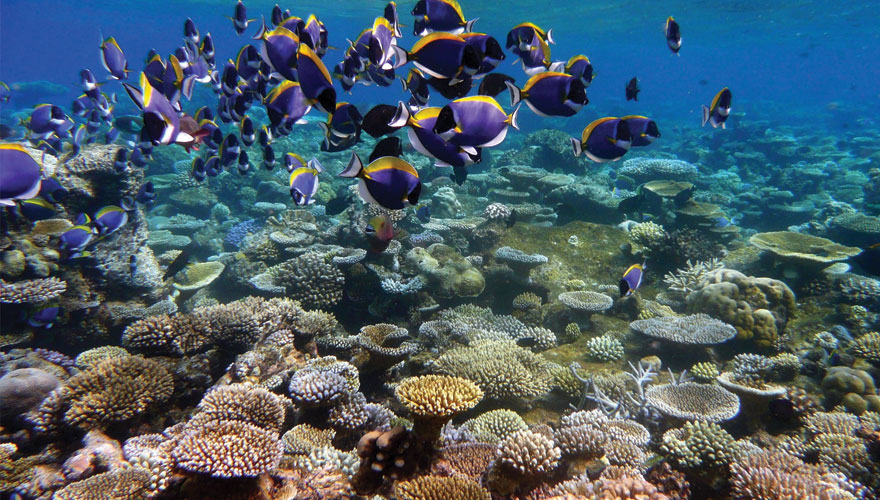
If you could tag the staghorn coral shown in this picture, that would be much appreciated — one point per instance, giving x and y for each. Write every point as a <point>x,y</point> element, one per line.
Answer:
<point>775,475</point>
<point>693,329</point>
<point>303,438</point>
<point>439,488</point>
<point>227,449</point>
<point>31,291</point>
<point>241,403</point>
<point>692,401</point>
<point>114,390</point>
<point>502,369</point>
<point>528,453</point>
<point>494,426</point>
<point>699,445</point>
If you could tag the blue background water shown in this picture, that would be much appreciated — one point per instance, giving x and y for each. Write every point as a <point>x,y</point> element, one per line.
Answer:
<point>789,60</point>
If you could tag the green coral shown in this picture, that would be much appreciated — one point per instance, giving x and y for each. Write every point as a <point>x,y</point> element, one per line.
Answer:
<point>494,426</point>
<point>699,444</point>
<point>605,348</point>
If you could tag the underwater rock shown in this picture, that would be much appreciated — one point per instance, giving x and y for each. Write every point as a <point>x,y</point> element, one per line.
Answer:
<point>444,203</point>
<point>445,271</point>
<point>23,389</point>
<point>585,201</point>
<point>92,181</point>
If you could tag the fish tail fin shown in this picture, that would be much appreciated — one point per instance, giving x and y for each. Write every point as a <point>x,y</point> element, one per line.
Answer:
<point>401,116</point>
<point>469,26</point>
<point>137,97</point>
<point>262,31</point>
<point>512,118</point>
<point>706,114</point>
<point>403,83</point>
<point>401,56</point>
<point>550,39</point>
<point>354,168</point>
<point>515,93</point>
<point>315,164</point>
<point>576,146</point>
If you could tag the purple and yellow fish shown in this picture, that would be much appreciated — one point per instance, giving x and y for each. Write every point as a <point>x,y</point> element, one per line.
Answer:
<point>632,279</point>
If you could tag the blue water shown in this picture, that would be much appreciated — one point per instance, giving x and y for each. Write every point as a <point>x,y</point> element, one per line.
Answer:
<point>789,60</point>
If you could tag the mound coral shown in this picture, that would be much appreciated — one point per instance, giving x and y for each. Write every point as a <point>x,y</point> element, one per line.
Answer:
<point>310,279</point>
<point>528,453</point>
<point>773,474</point>
<point>758,308</point>
<point>699,444</point>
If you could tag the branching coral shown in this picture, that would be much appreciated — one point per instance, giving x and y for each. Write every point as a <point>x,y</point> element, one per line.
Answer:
<point>501,368</point>
<point>227,449</point>
<point>114,390</point>
<point>241,403</point>
<point>691,401</point>
<point>439,488</point>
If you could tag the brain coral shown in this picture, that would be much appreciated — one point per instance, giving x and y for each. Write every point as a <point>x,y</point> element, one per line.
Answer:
<point>758,308</point>
<point>115,390</point>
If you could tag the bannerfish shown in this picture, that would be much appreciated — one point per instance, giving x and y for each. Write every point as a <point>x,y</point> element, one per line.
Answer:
<point>304,183</point>
<point>20,174</point>
<point>389,182</point>
<point>632,90</point>
<point>716,114</point>
<point>631,280</point>
<point>673,35</point>
<point>605,139</point>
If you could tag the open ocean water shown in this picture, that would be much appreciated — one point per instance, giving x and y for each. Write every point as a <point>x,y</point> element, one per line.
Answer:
<point>421,250</point>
